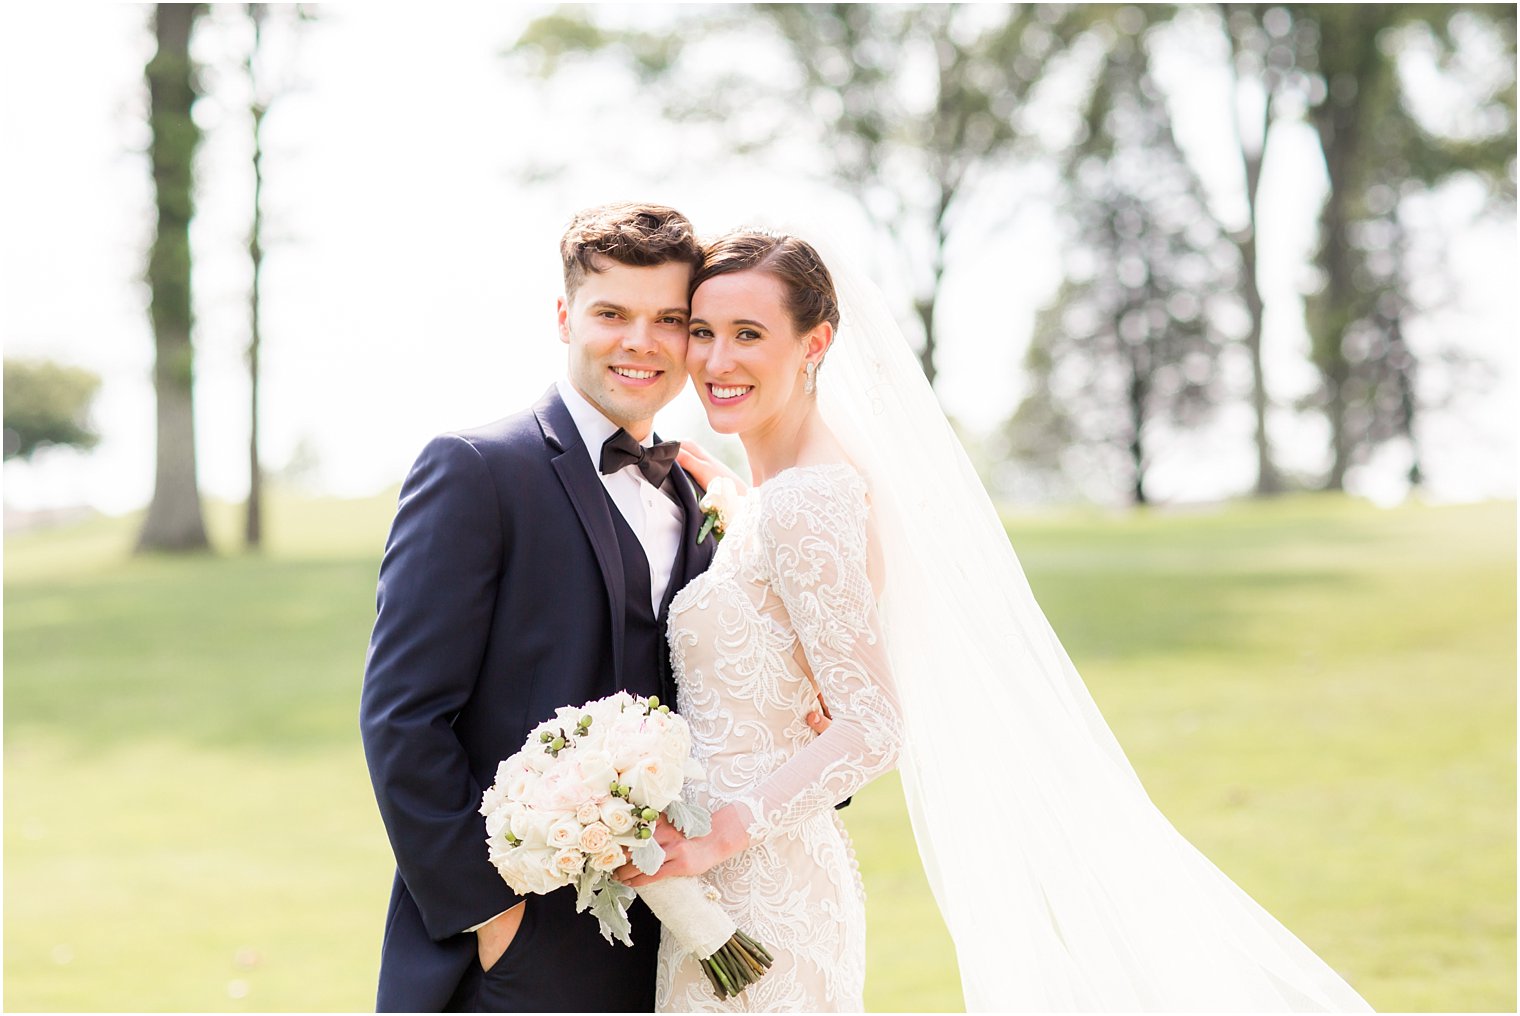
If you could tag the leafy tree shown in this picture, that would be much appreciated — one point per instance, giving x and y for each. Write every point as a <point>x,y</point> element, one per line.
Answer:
<point>47,405</point>
<point>1267,50</point>
<point>174,520</point>
<point>915,109</point>
<point>1378,154</point>
<point>1138,335</point>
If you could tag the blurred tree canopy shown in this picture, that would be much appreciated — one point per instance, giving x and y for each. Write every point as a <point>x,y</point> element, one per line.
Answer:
<point>1136,338</point>
<point>1379,153</point>
<point>47,404</point>
<point>910,108</point>
<point>926,114</point>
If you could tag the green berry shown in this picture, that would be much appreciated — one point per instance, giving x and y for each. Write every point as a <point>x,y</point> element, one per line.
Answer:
<point>654,702</point>
<point>664,709</point>
<point>649,814</point>
<point>645,832</point>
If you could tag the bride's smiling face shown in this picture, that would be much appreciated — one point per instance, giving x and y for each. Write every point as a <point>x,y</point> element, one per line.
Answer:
<point>744,355</point>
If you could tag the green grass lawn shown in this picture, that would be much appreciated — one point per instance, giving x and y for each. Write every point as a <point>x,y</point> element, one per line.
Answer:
<point>1320,694</point>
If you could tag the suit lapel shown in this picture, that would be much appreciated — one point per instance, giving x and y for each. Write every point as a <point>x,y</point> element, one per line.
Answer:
<point>692,558</point>
<point>589,497</point>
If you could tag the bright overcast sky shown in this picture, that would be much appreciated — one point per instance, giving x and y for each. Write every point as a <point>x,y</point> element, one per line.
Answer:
<point>411,277</point>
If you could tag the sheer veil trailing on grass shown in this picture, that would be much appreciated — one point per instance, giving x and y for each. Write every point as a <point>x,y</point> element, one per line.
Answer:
<point>1062,885</point>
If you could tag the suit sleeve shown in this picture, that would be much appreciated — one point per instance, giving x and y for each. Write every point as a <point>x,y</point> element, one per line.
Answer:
<point>437,594</point>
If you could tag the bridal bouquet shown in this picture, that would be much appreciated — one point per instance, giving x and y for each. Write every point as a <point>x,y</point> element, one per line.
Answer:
<point>587,789</point>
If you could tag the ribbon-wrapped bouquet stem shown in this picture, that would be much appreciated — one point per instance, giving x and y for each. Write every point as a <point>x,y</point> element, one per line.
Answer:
<point>583,794</point>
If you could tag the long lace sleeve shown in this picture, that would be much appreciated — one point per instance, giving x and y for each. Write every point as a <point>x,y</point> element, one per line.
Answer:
<point>813,537</point>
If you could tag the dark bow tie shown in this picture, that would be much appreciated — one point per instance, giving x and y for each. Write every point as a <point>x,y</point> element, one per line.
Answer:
<point>654,462</point>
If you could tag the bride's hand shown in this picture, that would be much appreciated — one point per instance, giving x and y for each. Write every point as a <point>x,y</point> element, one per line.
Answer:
<point>693,856</point>
<point>705,468</point>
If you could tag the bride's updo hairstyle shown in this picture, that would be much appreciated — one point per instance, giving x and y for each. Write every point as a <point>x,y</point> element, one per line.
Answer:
<point>810,297</point>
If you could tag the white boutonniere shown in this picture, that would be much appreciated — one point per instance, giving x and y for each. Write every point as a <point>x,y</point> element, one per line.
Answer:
<point>718,505</point>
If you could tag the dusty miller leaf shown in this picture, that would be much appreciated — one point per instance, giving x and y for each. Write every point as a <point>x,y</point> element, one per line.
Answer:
<point>647,855</point>
<point>586,886</point>
<point>688,819</point>
<point>611,911</point>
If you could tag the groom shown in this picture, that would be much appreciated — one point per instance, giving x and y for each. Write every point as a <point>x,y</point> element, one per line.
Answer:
<point>530,566</point>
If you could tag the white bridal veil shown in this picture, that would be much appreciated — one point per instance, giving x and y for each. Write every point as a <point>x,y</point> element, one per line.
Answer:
<point>1062,885</point>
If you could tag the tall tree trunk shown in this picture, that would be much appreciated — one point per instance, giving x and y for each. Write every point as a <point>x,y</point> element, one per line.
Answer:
<point>1339,296</point>
<point>253,528</point>
<point>1401,358</point>
<point>1252,154</point>
<point>174,520</point>
<point>1268,479</point>
<point>925,305</point>
<point>1139,388</point>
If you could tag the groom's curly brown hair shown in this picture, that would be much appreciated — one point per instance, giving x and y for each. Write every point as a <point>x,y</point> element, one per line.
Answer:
<point>629,233</point>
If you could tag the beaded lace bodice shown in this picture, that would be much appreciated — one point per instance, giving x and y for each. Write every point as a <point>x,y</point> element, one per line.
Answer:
<point>789,582</point>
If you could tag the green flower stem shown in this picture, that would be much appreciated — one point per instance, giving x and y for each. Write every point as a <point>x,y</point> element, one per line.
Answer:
<point>736,970</point>
<point>712,978</point>
<point>750,961</point>
<point>736,958</point>
<point>755,947</point>
<point>722,975</point>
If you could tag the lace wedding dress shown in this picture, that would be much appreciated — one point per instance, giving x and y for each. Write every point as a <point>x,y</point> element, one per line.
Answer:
<point>790,580</point>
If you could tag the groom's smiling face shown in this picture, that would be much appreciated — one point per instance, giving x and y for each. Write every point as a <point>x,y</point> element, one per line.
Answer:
<point>626,329</point>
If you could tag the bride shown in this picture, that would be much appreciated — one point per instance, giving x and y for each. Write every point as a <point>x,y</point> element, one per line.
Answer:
<point>867,575</point>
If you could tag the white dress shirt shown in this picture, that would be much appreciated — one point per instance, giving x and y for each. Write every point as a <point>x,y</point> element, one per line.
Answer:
<point>654,518</point>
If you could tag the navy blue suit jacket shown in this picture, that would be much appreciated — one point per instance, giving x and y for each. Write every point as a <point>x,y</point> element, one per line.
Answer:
<point>501,597</point>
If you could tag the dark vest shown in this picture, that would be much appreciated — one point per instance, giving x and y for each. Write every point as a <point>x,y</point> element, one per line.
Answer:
<point>646,657</point>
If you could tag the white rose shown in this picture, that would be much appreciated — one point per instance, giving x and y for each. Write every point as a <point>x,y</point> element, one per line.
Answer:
<point>559,789</point>
<point>536,759</point>
<point>527,870</point>
<point>617,817</point>
<point>722,496</point>
<point>609,859</point>
<point>564,833</point>
<point>520,787</point>
<point>654,784</point>
<point>494,797</point>
<point>595,736</point>
<point>569,861</point>
<point>531,826</point>
<point>595,769</point>
<point>594,838</point>
<point>632,738</point>
<point>588,813</point>
<point>614,703</point>
<point>509,767</point>
<point>500,820</point>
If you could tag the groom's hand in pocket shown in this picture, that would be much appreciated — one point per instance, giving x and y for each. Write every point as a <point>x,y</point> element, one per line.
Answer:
<point>493,937</point>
